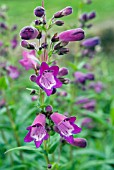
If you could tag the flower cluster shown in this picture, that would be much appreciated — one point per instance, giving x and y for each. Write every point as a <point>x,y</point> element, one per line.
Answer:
<point>48,76</point>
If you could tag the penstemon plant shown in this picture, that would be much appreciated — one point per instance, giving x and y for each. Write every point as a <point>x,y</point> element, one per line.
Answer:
<point>47,78</point>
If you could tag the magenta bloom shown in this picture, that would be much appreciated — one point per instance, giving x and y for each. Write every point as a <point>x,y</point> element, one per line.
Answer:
<point>47,78</point>
<point>13,72</point>
<point>29,60</point>
<point>71,35</point>
<point>65,126</point>
<point>37,131</point>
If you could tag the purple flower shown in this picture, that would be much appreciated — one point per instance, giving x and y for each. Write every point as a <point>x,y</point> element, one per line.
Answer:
<point>98,86</point>
<point>65,126</point>
<point>71,35</point>
<point>28,33</point>
<point>37,131</point>
<point>64,12</point>
<point>47,78</point>
<point>90,76</point>
<point>13,72</point>
<point>29,60</point>
<point>91,42</point>
<point>89,105</point>
<point>14,42</point>
<point>1,43</point>
<point>82,101</point>
<point>87,122</point>
<point>80,77</point>
<point>39,11</point>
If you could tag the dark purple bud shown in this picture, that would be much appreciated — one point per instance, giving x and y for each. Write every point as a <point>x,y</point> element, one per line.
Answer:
<point>71,35</point>
<point>90,76</point>
<point>92,15</point>
<point>64,80</point>
<point>59,23</point>
<point>27,45</point>
<point>39,11</point>
<point>63,51</point>
<point>3,26</point>
<point>63,72</point>
<point>64,12</point>
<point>33,92</point>
<point>49,166</point>
<point>14,28</point>
<point>49,109</point>
<point>84,17</point>
<point>55,38</point>
<point>60,45</point>
<point>91,42</point>
<point>44,45</point>
<point>33,78</point>
<point>38,22</point>
<point>80,142</point>
<point>28,33</point>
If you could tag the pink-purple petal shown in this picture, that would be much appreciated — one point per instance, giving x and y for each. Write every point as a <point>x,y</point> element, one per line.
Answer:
<point>55,70</point>
<point>38,143</point>
<point>44,66</point>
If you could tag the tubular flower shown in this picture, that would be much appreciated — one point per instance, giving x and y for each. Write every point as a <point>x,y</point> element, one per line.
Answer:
<point>47,78</point>
<point>71,35</point>
<point>65,126</point>
<point>37,131</point>
<point>29,60</point>
<point>91,42</point>
<point>13,72</point>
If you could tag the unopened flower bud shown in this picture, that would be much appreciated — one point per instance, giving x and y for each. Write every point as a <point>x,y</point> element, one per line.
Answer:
<point>32,92</point>
<point>64,12</point>
<point>33,78</point>
<point>48,108</point>
<point>80,142</point>
<point>63,51</point>
<point>59,23</point>
<point>27,45</point>
<point>28,33</point>
<point>63,72</point>
<point>91,42</point>
<point>34,98</point>
<point>84,17</point>
<point>90,76</point>
<point>71,35</point>
<point>55,38</point>
<point>49,166</point>
<point>64,80</point>
<point>92,15</point>
<point>37,22</point>
<point>39,11</point>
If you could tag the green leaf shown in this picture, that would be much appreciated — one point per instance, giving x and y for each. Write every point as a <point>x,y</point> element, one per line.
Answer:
<point>23,148</point>
<point>3,83</point>
<point>112,112</point>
